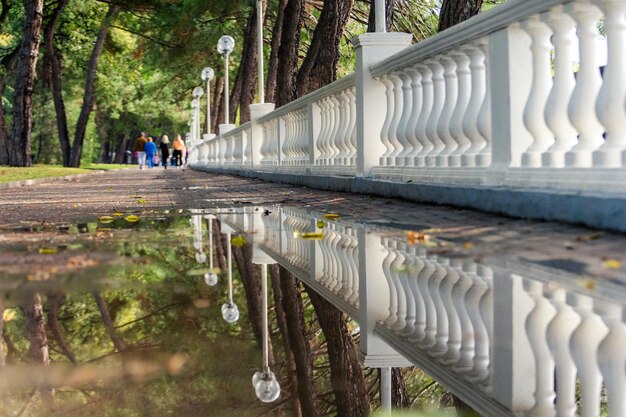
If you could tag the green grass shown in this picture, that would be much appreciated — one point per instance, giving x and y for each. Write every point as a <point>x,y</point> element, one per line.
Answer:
<point>11,174</point>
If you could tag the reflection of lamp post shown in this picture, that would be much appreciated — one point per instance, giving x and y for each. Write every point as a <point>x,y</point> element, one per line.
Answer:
<point>230,312</point>
<point>196,222</point>
<point>225,46</point>
<point>207,75</point>
<point>266,386</point>
<point>210,277</point>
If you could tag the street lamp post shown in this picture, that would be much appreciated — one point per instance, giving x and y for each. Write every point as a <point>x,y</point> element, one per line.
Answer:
<point>210,278</point>
<point>259,14</point>
<point>194,118</point>
<point>198,92</point>
<point>230,312</point>
<point>225,46</point>
<point>207,75</point>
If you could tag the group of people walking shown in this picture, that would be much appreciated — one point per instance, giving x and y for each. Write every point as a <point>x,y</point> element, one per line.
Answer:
<point>148,153</point>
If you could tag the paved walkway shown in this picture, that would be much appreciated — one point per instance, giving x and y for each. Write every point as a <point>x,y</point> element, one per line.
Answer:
<point>597,253</point>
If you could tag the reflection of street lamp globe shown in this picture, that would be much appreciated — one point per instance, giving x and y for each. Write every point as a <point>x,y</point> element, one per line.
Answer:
<point>198,92</point>
<point>207,74</point>
<point>210,279</point>
<point>197,245</point>
<point>268,389</point>
<point>195,103</point>
<point>230,312</point>
<point>200,257</point>
<point>225,45</point>
<point>259,375</point>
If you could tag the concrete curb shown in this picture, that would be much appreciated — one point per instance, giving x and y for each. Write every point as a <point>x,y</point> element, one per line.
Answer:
<point>597,211</point>
<point>35,181</point>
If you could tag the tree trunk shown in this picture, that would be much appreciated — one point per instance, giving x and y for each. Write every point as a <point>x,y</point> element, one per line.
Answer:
<point>218,105</point>
<point>251,279</point>
<point>270,86</point>
<point>399,396</point>
<point>36,334</point>
<point>4,139</point>
<point>296,330</point>
<point>108,322</point>
<point>1,333</point>
<point>288,51</point>
<point>52,62</point>
<point>218,244</point>
<point>320,64</point>
<point>54,302</point>
<point>456,11</point>
<point>88,97</point>
<point>19,142</point>
<point>282,326</point>
<point>389,10</point>
<point>347,377</point>
<point>248,68</point>
<point>120,150</point>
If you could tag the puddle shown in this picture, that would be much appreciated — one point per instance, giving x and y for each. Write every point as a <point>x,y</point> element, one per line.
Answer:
<point>133,313</point>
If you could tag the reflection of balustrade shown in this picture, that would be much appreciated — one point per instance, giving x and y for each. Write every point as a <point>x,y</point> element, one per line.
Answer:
<point>506,341</point>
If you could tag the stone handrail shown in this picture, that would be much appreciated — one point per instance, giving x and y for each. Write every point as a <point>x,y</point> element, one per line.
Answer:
<point>493,107</point>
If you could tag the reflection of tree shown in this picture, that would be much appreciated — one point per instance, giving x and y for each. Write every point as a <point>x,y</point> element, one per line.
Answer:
<point>347,379</point>
<point>54,301</point>
<point>119,344</point>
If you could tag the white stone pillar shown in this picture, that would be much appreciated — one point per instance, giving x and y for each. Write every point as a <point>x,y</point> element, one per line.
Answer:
<point>256,131</point>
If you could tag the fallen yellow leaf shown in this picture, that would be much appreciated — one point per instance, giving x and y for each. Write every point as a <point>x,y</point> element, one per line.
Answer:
<point>131,218</point>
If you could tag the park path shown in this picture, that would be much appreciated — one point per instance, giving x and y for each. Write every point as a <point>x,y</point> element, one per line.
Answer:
<point>142,191</point>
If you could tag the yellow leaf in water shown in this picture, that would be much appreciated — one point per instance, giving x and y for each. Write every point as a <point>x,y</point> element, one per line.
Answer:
<point>47,251</point>
<point>312,235</point>
<point>588,283</point>
<point>238,241</point>
<point>131,218</point>
<point>413,238</point>
<point>332,216</point>
<point>76,205</point>
<point>142,201</point>
<point>320,224</point>
<point>612,264</point>
<point>118,214</point>
<point>8,314</point>
<point>468,245</point>
<point>106,219</point>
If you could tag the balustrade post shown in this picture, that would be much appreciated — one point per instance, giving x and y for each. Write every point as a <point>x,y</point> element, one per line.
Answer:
<point>509,64</point>
<point>314,121</point>
<point>257,110</point>
<point>370,94</point>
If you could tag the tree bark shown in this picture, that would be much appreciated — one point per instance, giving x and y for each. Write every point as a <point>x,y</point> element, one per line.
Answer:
<point>347,377</point>
<point>218,105</point>
<point>19,142</point>
<point>456,11</point>
<point>288,51</point>
<point>36,334</point>
<point>320,64</point>
<point>270,85</point>
<point>282,326</point>
<point>1,332</point>
<point>108,322</point>
<point>296,330</point>
<point>89,96</point>
<point>52,63</point>
<point>389,10</point>
<point>54,302</point>
<point>399,395</point>
<point>248,68</point>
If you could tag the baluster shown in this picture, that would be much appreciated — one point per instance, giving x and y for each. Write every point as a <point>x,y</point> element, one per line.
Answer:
<point>439,96</point>
<point>396,269</point>
<point>434,287</point>
<point>612,359</point>
<point>416,109</point>
<point>352,127</point>
<point>384,133</point>
<point>352,252</point>
<point>539,91</point>
<point>610,102</point>
<point>303,154</point>
<point>443,125</point>
<point>332,125</point>
<point>337,124</point>
<point>536,327</point>
<point>395,121</point>
<point>336,268</point>
<point>420,308</point>
<point>430,328</point>
<point>342,135</point>
<point>452,353</point>
<point>325,261</point>
<point>581,108</point>
<point>342,260</point>
<point>484,116</point>
<point>556,108</point>
<point>421,131</point>
<point>402,131</point>
<point>560,331</point>
<point>275,145</point>
<point>584,347</point>
<point>459,295</point>
<point>476,101</point>
<point>409,326</point>
<point>479,308</point>
<point>393,295</point>
<point>463,74</point>
<point>325,123</point>
<point>287,139</point>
